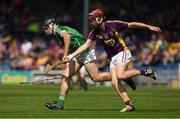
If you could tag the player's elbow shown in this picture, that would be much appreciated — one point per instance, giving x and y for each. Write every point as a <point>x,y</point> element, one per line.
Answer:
<point>66,35</point>
<point>131,24</point>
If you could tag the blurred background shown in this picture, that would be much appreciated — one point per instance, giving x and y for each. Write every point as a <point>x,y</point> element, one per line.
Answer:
<point>25,49</point>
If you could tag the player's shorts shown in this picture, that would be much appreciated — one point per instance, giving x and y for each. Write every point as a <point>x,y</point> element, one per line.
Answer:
<point>121,57</point>
<point>86,57</point>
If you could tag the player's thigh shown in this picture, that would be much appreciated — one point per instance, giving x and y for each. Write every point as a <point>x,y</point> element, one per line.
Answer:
<point>120,61</point>
<point>72,68</point>
<point>113,72</point>
<point>92,69</point>
<point>130,65</point>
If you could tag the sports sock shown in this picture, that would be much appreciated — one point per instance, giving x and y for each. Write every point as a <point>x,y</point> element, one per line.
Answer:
<point>128,103</point>
<point>142,72</point>
<point>61,100</point>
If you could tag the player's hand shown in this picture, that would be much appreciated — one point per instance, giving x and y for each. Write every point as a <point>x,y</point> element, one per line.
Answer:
<point>64,58</point>
<point>154,28</point>
<point>70,57</point>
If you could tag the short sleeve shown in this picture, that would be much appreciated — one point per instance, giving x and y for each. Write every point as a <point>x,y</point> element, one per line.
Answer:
<point>91,36</point>
<point>58,30</point>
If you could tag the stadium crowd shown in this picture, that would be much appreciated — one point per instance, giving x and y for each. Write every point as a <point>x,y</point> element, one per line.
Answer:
<point>24,46</point>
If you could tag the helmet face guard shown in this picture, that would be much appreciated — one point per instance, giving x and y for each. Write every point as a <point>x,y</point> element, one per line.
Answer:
<point>96,17</point>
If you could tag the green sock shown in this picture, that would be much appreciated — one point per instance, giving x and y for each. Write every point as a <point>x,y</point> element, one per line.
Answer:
<point>61,100</point>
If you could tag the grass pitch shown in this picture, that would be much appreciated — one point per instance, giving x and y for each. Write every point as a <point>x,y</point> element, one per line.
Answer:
<point>27,101</point>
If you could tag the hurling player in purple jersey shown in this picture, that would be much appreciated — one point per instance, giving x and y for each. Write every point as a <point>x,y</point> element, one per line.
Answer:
<point>108,32</point>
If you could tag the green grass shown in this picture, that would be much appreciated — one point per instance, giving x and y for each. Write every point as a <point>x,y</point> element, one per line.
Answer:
<point>100,102</point>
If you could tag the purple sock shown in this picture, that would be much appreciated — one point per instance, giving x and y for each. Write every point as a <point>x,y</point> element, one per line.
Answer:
<point>142,72</point>
<point>128,103</point>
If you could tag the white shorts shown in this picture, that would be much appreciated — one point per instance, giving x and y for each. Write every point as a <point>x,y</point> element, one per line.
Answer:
<point>86,57</point>
<point>121,57</point>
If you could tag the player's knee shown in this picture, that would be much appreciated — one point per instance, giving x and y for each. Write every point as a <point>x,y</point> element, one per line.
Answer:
<point>121,77</point>
<point>95,77</point>
<point>95,80</point>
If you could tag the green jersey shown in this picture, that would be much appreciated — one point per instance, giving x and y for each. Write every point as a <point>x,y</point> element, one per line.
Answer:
<point>76,38</point>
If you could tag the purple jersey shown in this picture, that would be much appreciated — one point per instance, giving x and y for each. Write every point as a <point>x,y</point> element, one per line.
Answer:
<point>110,37</point>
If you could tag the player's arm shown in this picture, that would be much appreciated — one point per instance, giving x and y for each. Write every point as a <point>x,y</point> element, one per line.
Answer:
<point>67,39</point>
<point>142,25</point>
<point>82,48</point>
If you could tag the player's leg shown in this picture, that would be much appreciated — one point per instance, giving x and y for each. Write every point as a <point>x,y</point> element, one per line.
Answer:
<point>130,81</point>
<point>122,74</point>
<point>89,61</point>
<point>98,76</point>
<point>81,78</point>
<point>121,91</point>
<point>123,58</point>
<point>69,71</point>
<point>95,74</point>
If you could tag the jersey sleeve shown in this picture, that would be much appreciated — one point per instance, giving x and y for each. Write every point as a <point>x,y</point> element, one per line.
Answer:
<point>91,36</point>
<point>119,25</point>
<point>59,30</point>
